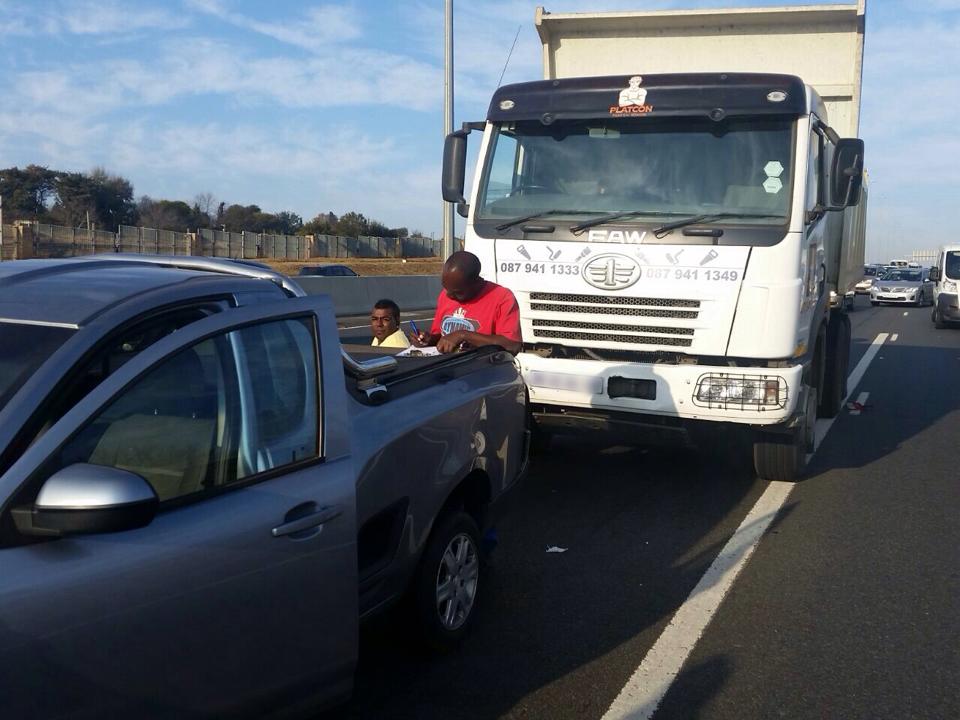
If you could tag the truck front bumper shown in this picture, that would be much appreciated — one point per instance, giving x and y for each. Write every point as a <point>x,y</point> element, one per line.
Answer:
<point>680,391</point>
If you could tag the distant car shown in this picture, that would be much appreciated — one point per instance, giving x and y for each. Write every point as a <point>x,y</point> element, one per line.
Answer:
<point>902,285</point>
<point>870,273</point>
<point>328,270</point>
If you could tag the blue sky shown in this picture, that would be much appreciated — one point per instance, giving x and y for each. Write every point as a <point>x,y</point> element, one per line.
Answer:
<point>309,107</point>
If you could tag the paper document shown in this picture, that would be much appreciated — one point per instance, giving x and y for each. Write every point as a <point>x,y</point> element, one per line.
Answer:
<point>413,351</point>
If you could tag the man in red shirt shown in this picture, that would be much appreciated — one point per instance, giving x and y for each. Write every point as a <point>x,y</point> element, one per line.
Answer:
<point>471,311</point>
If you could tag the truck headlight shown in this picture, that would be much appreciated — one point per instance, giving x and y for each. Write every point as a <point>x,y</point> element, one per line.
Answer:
<point>949,286</point>
<point>743,391</point>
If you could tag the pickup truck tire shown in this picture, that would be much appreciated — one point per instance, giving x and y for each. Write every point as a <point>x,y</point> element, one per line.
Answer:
<point>447,581</point>
<point>783,456</point>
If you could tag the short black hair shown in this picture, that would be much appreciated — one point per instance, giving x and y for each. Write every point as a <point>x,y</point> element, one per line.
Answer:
<point>386,304</point>
<point>466,262</point>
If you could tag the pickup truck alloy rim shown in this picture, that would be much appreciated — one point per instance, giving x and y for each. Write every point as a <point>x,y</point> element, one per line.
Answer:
<point>457,581</point>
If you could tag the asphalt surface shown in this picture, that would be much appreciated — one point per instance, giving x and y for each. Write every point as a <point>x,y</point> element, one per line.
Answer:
<point>849,607</point>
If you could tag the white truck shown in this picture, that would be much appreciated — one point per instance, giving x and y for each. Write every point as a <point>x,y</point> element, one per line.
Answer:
<point>679,208</point>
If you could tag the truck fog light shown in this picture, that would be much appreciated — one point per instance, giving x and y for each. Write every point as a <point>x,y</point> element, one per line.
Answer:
<point>739,391</point>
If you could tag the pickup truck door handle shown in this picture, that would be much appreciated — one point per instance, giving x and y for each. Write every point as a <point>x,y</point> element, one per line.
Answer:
<point>305,522</point>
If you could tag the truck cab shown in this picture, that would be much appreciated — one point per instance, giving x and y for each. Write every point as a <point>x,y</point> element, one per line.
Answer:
<point>680,243</point>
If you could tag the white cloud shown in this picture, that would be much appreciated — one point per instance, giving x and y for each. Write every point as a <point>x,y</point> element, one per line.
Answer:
<point>315,30</point>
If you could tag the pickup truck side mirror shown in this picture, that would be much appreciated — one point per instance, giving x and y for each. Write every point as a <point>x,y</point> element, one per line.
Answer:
<point>934,275</point>
<point>846,176</point>
<point>84,499</point>
<point>454,166</point>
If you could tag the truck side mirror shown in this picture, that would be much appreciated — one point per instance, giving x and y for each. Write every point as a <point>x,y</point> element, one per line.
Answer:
<point>454,166</point>
<point>934,275</point>
<point>846,176</point>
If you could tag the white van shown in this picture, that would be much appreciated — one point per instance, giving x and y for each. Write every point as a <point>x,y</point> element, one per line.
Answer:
<point>946,277</point>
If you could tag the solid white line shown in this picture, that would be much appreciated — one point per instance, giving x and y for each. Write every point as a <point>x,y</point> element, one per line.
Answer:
<point>861,401</point>
<point>893,338</point>
<point>640,697</point>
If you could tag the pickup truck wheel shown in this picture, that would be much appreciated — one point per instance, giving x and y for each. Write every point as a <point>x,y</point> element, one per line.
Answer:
<point>783,456</point>
<point>447,581</point>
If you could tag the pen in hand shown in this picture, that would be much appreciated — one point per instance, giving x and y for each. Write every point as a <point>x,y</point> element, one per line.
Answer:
<point>416,331</point>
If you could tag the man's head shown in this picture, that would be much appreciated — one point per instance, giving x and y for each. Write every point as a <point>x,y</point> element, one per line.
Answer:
<point>384,319</point>
<point>461,276</point>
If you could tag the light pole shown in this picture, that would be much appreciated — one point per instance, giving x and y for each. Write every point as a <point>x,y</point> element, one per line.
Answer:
<point>448,115</point>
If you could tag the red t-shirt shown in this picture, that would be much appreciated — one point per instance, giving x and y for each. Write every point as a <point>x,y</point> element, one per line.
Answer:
<point>494,311</point>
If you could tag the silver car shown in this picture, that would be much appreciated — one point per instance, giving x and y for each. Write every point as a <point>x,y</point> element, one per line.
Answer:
<point>908,285</point>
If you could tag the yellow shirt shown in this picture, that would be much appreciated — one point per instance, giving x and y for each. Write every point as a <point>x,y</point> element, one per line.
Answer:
<point>397,340</point>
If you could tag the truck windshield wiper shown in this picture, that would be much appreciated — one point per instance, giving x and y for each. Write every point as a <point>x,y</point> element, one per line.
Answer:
<point>516,221</point>
<point>577,229</point>
<point>709,217</point>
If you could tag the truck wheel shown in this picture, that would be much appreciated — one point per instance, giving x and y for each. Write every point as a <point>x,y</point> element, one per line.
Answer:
<point>837,364</point>
<point>540,439</point>
<point>938,322</point>
<point>447,581</point>
<point>783,456</point>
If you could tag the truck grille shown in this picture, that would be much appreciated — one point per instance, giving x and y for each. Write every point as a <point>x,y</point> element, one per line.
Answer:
<point>611,305</point>
<point>611,337</point>
<point>552,328</point>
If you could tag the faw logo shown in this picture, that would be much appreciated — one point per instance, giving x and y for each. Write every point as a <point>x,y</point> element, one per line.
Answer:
<point>611,272</point>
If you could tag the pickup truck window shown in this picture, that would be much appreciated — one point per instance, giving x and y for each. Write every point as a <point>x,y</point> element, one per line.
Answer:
<point>216,413</point>
<point>24,348</point>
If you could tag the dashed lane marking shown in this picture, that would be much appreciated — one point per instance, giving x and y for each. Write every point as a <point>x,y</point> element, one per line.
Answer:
<point>906,312</point>
<point>640,697</point>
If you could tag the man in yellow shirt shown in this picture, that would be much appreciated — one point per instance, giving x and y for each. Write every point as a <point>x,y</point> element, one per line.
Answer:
<point>385,325</point>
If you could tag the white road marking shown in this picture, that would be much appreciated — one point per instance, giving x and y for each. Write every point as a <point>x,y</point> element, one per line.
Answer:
<point>905,313</point>
<point>860,401</point>
<point>893,338</point>
<point>640,697</point>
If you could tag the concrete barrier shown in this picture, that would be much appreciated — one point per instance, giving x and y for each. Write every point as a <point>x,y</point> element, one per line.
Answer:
<point>356,295</point>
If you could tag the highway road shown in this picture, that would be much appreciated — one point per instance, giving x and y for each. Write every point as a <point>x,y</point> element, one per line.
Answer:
<point>836,597</point>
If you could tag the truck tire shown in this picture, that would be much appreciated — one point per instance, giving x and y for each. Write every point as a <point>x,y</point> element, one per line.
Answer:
<point>447,581</point>
<point>783,456</point>
<point>937,317</point>
<point>836,366</point>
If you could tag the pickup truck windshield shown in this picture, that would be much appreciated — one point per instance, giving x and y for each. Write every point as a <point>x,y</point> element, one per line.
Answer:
<point>24,348</point>
<point>678,167</point>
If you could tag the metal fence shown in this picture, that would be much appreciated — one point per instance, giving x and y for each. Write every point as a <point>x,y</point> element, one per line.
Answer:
<point>25,239</point>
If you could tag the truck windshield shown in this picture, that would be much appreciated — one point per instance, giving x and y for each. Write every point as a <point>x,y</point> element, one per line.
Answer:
<point>23,349</point>
<point>660,168</point>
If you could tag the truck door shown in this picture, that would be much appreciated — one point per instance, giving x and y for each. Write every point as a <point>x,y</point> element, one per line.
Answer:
<point>241,593</point>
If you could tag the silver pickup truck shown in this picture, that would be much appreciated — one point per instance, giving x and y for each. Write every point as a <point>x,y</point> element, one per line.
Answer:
<point>202,494</point>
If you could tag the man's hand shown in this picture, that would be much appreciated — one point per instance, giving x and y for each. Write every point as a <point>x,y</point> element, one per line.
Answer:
<point>422,339</point>
<point>453,342</point>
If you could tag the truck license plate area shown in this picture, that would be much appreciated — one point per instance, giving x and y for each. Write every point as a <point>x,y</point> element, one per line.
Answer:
<point>618,387</point>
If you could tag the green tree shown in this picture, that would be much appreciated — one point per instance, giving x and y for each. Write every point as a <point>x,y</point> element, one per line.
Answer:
<point>27,193</point>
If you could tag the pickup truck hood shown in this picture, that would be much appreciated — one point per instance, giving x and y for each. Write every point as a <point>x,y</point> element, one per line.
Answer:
<point>643,297</point>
